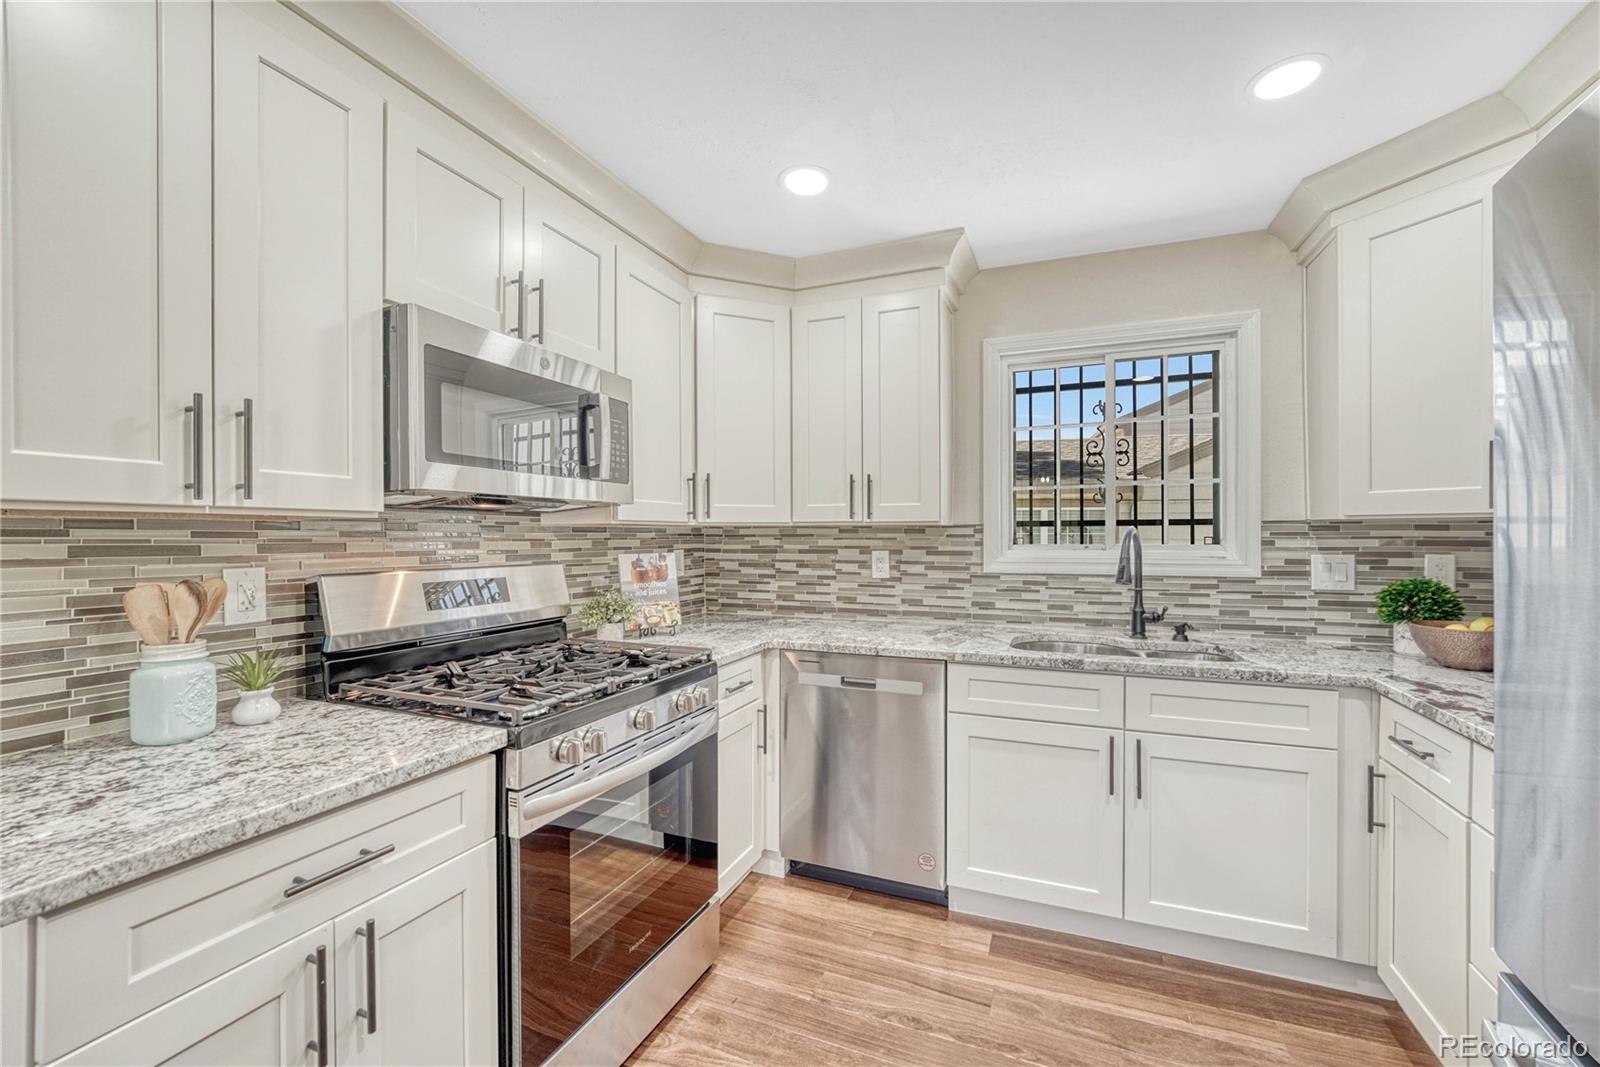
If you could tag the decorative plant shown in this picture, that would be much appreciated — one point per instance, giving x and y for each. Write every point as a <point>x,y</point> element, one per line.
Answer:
<point>605,607</point>
<point>1418,600</point>
<point>252,671</point>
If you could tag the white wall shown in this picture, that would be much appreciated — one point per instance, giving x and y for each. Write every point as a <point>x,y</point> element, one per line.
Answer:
<point>1240,272</point>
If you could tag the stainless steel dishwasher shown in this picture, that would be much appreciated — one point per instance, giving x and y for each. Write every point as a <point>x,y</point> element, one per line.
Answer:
<point>861,778</point>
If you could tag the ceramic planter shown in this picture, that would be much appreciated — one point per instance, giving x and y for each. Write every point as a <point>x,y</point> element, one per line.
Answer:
<point>255,707</point>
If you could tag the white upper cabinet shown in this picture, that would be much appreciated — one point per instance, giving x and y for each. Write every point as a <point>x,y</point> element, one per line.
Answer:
<point>828,477</point>
<point>107,161</point>
<point>905,387</point>
<point>655,350</point>
<point>571,264</point>
<point>299,275</point>
<point>742,389</point>
<point>453,226</point>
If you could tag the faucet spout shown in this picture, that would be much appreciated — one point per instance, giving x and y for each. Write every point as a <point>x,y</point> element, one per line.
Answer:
<point>1130,571</point>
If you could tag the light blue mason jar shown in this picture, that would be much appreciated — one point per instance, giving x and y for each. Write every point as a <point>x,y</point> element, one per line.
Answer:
<point>172,694</point>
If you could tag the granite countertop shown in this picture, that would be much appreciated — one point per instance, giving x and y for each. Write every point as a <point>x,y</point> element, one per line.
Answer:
<point>80,820</point>
<point>1462,701</point>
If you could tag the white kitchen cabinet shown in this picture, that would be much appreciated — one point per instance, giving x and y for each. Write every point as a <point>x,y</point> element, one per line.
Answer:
<point>299,275</point>
<point>828,476</point>
<point>416,970</point>
<point>1234,839</point>
<point>571,265</point>
<point>1422,906</point>
<point>1035,811</point>
<point>453,225</point>
<point>739,778</point>
<point>108,233</point>
<point>742,391</point>
<point>262,1012</point>
<point>655,351</point>
<point>905,375</point>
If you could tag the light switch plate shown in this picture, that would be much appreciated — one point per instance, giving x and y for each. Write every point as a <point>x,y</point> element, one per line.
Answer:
<point>1441,568</point>
<point>880,563</point>
<point>247,595</point>
<point>1333,573</point>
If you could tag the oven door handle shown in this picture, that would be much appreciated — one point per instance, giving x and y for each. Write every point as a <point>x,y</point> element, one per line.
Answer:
<point>536,811</point>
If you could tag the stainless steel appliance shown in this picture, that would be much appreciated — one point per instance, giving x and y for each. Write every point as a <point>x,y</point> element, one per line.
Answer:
<point>609,826</point>
<point>1547,596</point>
<point>475,418</point>
<point>861,782</point>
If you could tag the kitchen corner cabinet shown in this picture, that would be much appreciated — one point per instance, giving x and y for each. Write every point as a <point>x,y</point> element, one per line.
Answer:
<point>655,351</point>
<point>872,409</point>
<point>742,394</point>
<point>108,160</point>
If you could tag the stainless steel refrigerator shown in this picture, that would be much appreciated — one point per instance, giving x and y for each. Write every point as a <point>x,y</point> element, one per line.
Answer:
<point>1547,592</point>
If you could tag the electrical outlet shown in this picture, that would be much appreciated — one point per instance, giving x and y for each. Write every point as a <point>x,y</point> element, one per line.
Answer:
<point>247,595</point>
<point>1333,573</point>
<point>1441,568</point>
<point>880,563</point>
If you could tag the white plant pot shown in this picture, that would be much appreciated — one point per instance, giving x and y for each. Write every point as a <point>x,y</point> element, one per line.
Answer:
<point>611,631</point>
<point>1403,645</point>
<point>255,707</point>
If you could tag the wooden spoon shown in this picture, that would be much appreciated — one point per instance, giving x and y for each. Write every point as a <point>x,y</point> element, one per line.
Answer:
<point>185,601</point>
<point>146,607</point>
<point>216,592</point>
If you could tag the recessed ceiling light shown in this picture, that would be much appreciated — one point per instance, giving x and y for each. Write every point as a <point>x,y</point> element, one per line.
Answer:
<point>804,180</point>
<point>1288,77</point>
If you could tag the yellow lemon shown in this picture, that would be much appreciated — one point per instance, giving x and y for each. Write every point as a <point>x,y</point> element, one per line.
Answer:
<point>1458,626</point>
<point>1482,622</point>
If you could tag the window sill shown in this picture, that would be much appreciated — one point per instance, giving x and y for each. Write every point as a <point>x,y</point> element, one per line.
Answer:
<point>1103,563</point>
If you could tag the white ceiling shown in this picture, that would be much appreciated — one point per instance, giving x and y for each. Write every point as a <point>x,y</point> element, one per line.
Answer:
<point>1044,129</point>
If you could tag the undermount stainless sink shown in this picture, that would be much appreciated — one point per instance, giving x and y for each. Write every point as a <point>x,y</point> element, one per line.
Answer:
<point>1095,648</point>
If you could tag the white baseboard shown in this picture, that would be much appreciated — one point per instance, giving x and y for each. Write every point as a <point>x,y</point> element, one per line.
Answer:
<point>772,864</point>
<point>1334,974</point>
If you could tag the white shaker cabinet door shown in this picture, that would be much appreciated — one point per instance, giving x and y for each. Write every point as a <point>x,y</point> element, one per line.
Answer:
<point>739,814</point>
<point>1234,839</point>
<point>418,977</point>
<point>572,279</point>
<point>1035,811</point>
<point>655,351</point>
<point>107,301</point>
<point>828,479</point>
<point>903,384</point>
<point>264,1012</point>
<point>453,227</point>
<point>742,411</point>
<point>299,279</point>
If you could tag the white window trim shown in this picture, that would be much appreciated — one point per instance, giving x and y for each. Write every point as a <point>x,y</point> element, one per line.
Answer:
<point>1238,334</point>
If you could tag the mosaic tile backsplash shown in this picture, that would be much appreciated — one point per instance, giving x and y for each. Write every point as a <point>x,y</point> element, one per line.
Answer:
<point>67,651</point>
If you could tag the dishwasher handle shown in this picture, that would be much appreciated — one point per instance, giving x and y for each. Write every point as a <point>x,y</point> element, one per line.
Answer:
<point>857,683</point>
<point>896,686</point>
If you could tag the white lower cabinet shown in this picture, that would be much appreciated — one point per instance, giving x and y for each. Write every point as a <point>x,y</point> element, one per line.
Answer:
<point>1035,811</point>
<point>1234,839</point>
<point>1422,906</point>
<point>739,792</point>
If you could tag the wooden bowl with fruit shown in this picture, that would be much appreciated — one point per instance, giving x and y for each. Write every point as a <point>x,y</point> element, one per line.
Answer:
<point>1466,646</point>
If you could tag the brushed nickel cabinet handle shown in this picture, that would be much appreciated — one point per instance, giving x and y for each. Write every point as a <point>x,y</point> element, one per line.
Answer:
<point>852,496</point>
<point>198,409</point>
<point>869,497</point>
<point>319,959</point>
<point>368,855</point>
<point>370,1013</point>
<point>247,414</point>
<point>1138,768</point>
<point>1111,768</point>
<point>522,303</point>
<point>1372,798</point>
<point>692,481</point>
<point>761,714</point>
<point>707,511</point>
<point>741,687</point>
<point>538,337</point>
<point>1411,749</point>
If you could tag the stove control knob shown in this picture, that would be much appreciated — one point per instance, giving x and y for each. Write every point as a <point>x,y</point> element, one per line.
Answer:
<point>702,697</point>
<point>644,718</point>
<point>683,703</point>
<point>594,741</point>
<point>566,750</point>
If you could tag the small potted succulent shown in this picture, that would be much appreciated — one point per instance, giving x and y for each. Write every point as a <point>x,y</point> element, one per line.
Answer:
<point>609,612</point>
<point>255,674</point>
<point>1412,600</point>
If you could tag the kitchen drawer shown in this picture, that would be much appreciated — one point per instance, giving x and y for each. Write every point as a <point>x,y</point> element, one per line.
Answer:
<point>1235,711</point>
<point>738,684</point>
<point>1482,787</point>
<point>1480,902</point>
<point>113,958</point>
<point>1483,999</point>
<point>1044,696</point>
<point>1437,759</point>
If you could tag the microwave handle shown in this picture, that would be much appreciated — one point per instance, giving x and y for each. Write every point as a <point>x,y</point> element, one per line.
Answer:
<point>586,410</point>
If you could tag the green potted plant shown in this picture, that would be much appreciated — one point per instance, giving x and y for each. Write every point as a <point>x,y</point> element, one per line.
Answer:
<point>1412,600</point>
<point>254,673</point>
<point>608,611</point>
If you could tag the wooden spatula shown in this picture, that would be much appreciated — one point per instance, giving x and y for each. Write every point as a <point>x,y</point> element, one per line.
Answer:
<point>185,601</point>
<point>216,592</point>
<point>146,607</point>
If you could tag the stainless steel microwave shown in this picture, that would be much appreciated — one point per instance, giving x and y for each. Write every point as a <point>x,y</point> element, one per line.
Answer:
<point>479,419</point>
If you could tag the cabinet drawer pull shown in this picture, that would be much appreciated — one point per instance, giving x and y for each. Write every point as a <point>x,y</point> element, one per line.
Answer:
<point>1372,799</point>
<point>741,687</point>
<point>319,1045</point>
<point>198,409</point>
<point>1138,768</point>
<point>300,885</point>
<point>1111,768</point>
<point>1411,748</point>
<point>370,1013</point>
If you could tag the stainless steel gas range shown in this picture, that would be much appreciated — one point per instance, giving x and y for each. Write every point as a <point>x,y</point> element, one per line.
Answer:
<point>609,827</point>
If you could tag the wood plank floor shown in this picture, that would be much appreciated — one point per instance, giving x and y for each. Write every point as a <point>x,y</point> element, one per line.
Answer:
<point>812,973</point>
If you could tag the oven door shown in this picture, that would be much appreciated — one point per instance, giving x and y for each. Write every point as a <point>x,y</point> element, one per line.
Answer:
<point>602,873</point>
<point>471,411</point>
